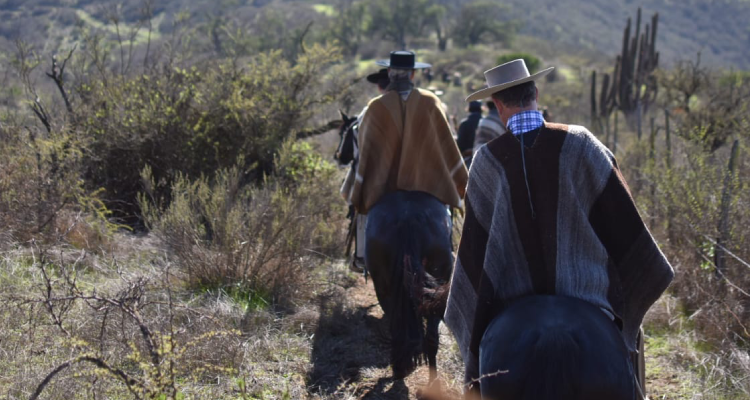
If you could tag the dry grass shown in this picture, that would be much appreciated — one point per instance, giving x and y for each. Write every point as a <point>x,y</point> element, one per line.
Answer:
<point>681,363</point>
<point>258,242</point>
<point>332,348</point>
<point>121,327</point>
<point>335,347</point>
<point>691,203</point>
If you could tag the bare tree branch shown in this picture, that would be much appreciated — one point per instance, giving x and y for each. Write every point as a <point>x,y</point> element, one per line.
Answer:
<point>130,382</point>
<point>57,75</point>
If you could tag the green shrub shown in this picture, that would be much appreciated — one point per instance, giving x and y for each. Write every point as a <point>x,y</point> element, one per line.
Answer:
<point>42,195</point>
<point>533,63</point>
<point>263,239</point>
<point>682,202</point>
<point>193,121</point>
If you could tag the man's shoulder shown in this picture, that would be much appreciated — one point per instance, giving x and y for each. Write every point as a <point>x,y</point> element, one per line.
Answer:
<point>580,136</point>
<point>427,94</point>
<point>497,148</point>
<point>377,100</point>
<point>382,105</point>
<point>425,98</point>
<point>572,132</point>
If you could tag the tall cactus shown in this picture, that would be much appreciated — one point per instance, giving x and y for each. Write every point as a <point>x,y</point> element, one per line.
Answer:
<point>638,61</point>
<point>603,105</point>
<point>632,88</point>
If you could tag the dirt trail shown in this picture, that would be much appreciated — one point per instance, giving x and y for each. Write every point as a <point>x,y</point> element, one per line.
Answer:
<point>351,349</point>
<point>350,352</point>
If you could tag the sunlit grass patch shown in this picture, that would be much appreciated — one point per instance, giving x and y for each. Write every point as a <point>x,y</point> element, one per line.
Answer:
<point>325,9</point>
<point>568,74</point>
<point>141,37</point>
<point>367,65</point>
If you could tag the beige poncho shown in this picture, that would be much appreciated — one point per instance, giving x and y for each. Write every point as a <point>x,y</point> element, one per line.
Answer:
<point>407,145</point>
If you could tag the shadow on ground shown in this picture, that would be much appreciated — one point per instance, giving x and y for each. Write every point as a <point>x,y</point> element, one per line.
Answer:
<point>351,349</point>
<point>387,388</point>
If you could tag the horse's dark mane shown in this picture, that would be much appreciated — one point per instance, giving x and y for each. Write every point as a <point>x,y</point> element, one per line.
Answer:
<point>345,151</point>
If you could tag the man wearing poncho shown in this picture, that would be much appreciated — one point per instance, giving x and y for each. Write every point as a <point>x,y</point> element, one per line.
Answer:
<point>547,212</point>
<point>406,143</point>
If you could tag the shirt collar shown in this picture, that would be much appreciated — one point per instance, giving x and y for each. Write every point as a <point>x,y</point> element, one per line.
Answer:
<point>525,121</point>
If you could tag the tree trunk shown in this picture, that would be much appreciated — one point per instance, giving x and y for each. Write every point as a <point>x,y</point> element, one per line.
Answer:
<point>639,119</point>
<point>614,144</point>
<point>726,201</point>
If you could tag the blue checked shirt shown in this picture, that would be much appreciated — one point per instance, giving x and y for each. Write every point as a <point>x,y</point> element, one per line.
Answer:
<point>525,121</point>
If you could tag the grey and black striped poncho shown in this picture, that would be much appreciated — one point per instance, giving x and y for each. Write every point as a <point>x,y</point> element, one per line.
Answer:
<point>585,240</point>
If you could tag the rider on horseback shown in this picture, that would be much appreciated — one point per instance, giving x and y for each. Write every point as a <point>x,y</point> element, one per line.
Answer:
<point>409,171</point>
<point>406,143</point>
<point>547,213</point>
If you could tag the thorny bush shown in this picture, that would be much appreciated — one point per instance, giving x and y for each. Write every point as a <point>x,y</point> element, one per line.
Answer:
<point>185,123</point>
<point>265,239</point>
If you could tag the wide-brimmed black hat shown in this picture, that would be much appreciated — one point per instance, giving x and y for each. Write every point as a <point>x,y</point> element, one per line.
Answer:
<point>378,76</point>
<point>475,106</point>
<point>402,59</point>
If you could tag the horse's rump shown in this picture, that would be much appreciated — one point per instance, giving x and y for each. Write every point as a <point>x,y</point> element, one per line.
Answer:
<point>554,347</point>
<point>411,226</point>
<point>407,250</point>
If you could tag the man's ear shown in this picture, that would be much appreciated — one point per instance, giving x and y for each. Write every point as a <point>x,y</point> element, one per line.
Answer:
<point>500,107</point>
<point>536,96</point>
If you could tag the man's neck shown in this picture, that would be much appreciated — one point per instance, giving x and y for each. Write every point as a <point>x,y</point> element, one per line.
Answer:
<point>511,111</point>
<point>525,121</point>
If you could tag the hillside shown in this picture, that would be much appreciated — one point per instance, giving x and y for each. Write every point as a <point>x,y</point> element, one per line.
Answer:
<point>172,222</point>
<point>719,29</point>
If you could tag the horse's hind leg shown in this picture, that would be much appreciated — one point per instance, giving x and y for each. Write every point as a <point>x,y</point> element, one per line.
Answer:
<point>431,341</point>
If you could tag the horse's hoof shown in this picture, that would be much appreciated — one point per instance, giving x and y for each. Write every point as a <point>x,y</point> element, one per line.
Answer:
<point>435,390</point>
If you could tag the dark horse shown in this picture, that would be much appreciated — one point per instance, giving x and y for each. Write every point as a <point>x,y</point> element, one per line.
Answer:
<point>408,253</point>
<point>345,152</point>
<point>554,347</point>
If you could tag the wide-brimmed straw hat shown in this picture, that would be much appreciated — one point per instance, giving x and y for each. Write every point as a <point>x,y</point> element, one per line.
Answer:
<point>402,59</point>
<point>505,76</point>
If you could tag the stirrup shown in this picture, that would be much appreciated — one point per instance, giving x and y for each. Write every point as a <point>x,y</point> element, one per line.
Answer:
<point>357,265</point>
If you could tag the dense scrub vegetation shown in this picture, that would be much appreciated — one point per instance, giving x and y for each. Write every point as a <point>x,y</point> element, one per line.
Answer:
<point>204,153</point>
<point>693,184</point>
<point>192,126</point>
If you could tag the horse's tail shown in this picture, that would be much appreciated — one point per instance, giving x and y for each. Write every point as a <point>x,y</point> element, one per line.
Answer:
<point>407,329</point>
<point>554,366</point>
<point>435,298</point>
